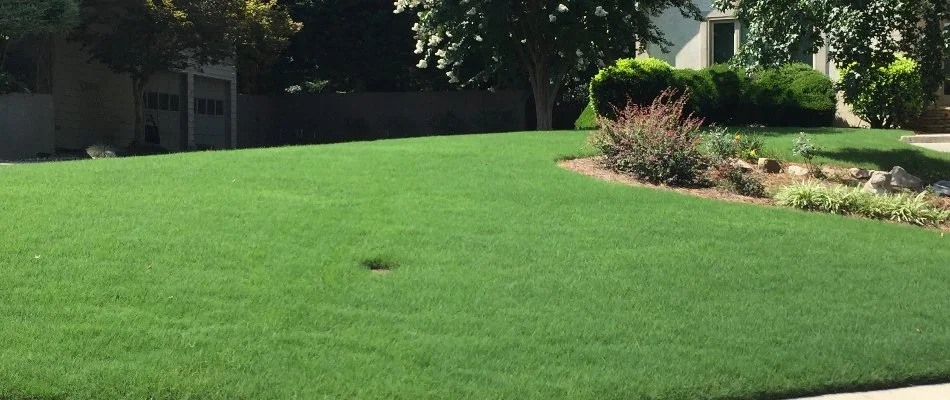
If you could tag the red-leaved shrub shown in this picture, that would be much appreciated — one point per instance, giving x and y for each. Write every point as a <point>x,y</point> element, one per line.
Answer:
<point>658,143</point>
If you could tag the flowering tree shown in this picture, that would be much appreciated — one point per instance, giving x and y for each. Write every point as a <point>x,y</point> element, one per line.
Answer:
<point>548,39</point>
<point>863,35</point>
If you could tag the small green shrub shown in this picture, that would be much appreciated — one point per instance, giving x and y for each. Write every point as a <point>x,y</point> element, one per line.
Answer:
<point>731,86</point>
<point>658,143</point>
<point>844,200</point>
<point>703,96</point>
<point>721,144</point>
<point>735,180</point>
<point>792,95</point>
<point>886,97</point>
<point>629,81</point>
<point>588,118</point>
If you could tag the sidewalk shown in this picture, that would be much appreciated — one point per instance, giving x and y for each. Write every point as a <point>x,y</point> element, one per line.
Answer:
<point>931,392</point>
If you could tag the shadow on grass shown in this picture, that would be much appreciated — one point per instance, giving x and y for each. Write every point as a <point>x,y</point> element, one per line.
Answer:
<point>845,388</point>
<point>925,166</point>
<point>784,131</point>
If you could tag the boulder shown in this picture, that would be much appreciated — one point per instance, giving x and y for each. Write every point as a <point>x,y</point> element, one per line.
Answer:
<point>942,188</point>
<point>769,165</point>
<point>879,183</point>
<point>741,164</point>
<point>859,173</point>
<point>797,170</point>
<point>901,179</point>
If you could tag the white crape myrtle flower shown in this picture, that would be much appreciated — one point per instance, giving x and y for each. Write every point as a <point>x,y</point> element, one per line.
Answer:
<point>600,12</point>
<point>579,53</point>
<point>415,27</point>
<point>552,17</point>
<point>440,53</point>
<point>523,41</point>
<point>420,47</point>
<point>471,12</point>
<point>434,40</point>
<point>422,64</point>
<point>562,8</point>
<point>478,38</point>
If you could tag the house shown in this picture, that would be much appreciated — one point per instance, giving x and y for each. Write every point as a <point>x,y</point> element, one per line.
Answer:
<point>699,44</point>
<point>90,104</point>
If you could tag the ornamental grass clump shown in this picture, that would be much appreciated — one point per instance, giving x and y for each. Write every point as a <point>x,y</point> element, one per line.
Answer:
<point>901,207</point>
<point>658,143</point>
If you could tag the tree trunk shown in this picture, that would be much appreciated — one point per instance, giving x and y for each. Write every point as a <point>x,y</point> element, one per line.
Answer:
<point>138,91</point>
<point>545,95</point>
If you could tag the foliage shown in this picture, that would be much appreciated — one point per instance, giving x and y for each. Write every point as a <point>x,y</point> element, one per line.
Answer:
<point>636,81</point>
<point>355,46</point>
<point>703,94</point>
<point>721,144</point>
<point>804,147</point>
<point>792,95</point>
<point>862,35</point>
<point>736,180</point>
<point>263,31</point>
<point>588,118</point>
<point>658,142</point>
<point>902,207</point>
<point>19,18</point>
<point>9,84</point>
<point>548,40</point>
<point>888,96</point>
<point>142,38</point>
<point>22,18</point>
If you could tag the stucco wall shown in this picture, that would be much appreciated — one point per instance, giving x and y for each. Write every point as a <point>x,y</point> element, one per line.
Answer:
<point>93,104</point>
<point>26,125</point>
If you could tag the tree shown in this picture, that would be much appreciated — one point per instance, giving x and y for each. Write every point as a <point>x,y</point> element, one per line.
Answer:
<point>22,18</point>
<point>351,46</point>
<point>143,37</point>
<point>864,36</point>
<point>548,40</point>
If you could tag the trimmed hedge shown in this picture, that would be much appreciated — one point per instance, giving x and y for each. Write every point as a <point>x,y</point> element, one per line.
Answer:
<point>792,95</point>
<point>635,80</point>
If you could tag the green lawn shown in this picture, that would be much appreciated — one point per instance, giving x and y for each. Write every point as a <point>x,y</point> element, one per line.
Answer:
<point>873,149</point>
<point>237,275</point>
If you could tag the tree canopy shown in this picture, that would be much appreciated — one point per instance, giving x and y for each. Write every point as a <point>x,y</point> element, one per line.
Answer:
<point>549,40</point>
<point>863,35</point>
<point>19,18</point>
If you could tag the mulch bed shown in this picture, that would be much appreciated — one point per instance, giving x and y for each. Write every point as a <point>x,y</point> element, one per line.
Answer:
<point>593,167</point>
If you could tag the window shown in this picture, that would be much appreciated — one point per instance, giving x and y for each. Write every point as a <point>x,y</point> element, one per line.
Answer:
<point>152,101</point>
<point>161,101</point>
<point>201,106</point>
<point>725,46</point>
<point>802,54</point>
<point>218,107</point>
<point>723,41</point>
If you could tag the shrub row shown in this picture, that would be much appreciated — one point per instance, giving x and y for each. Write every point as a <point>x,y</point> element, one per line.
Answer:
<point>854,201</point>
<point>792,95</point>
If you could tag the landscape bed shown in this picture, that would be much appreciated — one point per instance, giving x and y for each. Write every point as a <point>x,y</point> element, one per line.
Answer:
<point>246,274</point>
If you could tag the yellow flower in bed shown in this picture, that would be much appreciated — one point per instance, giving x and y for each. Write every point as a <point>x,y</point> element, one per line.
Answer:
<point>753,152</point>
<point>738,137</point>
